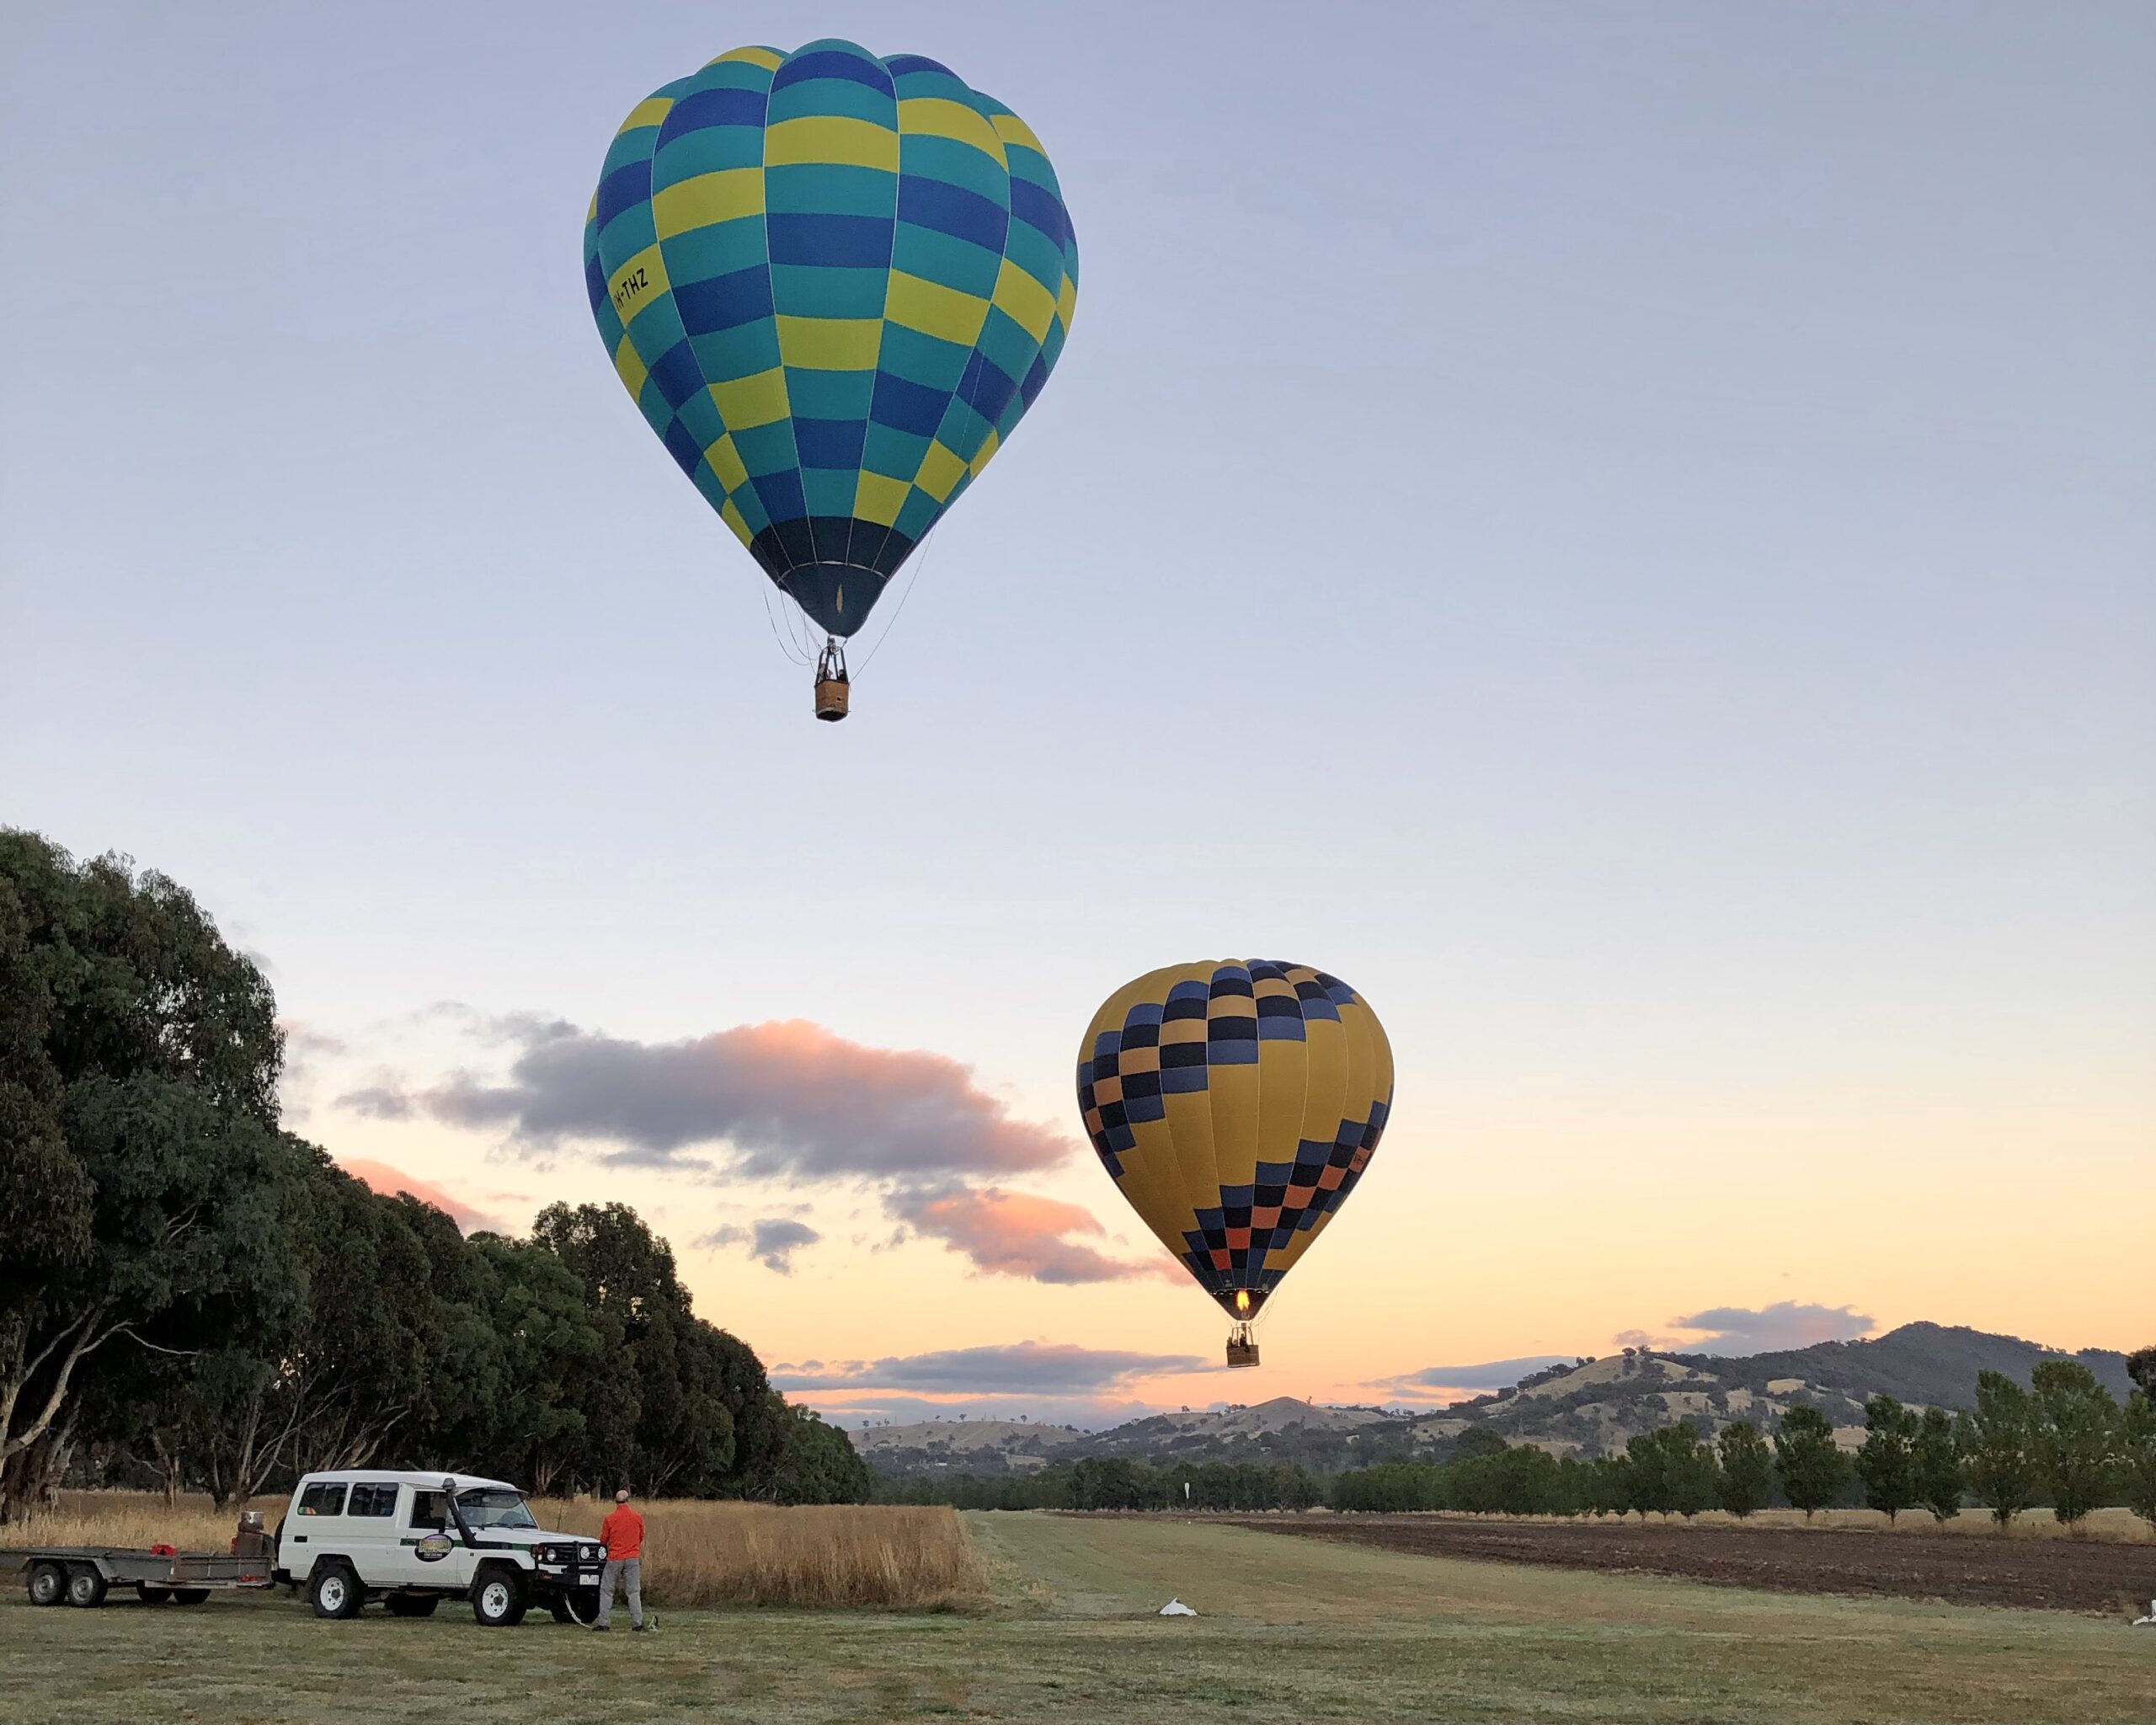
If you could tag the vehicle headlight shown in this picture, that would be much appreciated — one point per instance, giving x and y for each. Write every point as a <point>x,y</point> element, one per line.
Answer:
<point>592,1554</point>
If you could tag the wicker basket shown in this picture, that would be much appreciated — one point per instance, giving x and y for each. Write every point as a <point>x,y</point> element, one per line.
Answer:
<point>1242,1354</point>
<point>831,697</point>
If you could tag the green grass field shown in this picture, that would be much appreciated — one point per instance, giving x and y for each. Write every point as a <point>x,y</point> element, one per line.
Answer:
<point>1291,1630</point>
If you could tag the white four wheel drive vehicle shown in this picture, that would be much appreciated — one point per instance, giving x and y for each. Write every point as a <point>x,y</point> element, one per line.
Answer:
<point>414,1539</point>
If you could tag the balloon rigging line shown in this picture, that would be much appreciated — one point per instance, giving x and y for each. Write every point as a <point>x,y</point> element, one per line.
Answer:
<point>784,646</point>
<point>912,581</point>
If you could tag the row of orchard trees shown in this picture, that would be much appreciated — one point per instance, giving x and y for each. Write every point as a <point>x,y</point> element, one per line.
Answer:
<point>190,1294</point>
<point>2063,1440</point>
<point>1670,1471</point>
<point>1118,1482</point>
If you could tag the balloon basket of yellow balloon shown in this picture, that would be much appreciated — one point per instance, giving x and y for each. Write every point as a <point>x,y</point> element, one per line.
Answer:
<point>832,688</point>
<point>1242,1347</point>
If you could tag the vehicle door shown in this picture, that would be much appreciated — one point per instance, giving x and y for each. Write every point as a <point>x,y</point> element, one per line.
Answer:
<point>314,1526</point>
<point>438,1554</point>
<point>372,1539</point>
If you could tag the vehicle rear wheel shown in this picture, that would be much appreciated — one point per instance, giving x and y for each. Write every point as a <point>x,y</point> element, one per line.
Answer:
<point>190,1595</point>
<point>47,1583</point>
<point>412,1604</point>
<point>498,1597</point>
<point>85,1587</point>
<point>335,1592</point>
<point>152,1596</point>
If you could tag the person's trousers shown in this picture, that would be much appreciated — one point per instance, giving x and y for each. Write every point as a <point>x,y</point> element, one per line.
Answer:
<point>629,1570</point>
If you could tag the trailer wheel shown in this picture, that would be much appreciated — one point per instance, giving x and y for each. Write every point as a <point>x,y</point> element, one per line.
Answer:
<point>47,1583</point>
<point>497,1597</point>
<point>334,1591</point>
<point>190,1595</point>
<point>85,1587</point>
<point>152,1596</point>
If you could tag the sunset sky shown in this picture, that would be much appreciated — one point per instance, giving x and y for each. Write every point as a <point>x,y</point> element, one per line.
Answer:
<point>1623,532</point>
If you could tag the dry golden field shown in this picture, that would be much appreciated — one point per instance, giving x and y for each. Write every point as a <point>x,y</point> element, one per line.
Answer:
<point>754,1554</point>
<point>696,1553</point>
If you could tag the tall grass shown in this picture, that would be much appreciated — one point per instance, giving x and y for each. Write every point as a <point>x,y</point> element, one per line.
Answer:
<point>751,1554</point>
<point>137,1519</point>
<point>696,1553</point>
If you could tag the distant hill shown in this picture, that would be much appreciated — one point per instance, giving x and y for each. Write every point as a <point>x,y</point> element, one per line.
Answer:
<point>1585,1409</point>
<point>1930,1364</point>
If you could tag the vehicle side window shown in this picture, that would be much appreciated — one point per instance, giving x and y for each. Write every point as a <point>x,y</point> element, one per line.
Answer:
<point>373,1497</point>
<point>430,1510</point>
<point>324,1499</point>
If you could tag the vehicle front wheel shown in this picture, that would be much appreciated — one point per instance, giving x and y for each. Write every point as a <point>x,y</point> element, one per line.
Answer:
<point>412,1604</point>
<point>85,1587</point>
<point>498,1599</point>
<point>48,1584</point>
<point>335,1592</point>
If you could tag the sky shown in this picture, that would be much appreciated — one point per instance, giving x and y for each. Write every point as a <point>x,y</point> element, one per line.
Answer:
<point>1622,530</point>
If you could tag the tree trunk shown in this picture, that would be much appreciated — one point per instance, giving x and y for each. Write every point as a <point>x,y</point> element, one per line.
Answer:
<point>169,1469</point>
<point>30,1479</point>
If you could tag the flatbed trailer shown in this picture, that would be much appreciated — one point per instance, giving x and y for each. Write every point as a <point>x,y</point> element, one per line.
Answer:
<point>83,1575</point>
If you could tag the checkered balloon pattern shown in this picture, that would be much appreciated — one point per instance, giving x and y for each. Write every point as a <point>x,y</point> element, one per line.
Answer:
<point>1235,1104</point>
<point>834,285</point>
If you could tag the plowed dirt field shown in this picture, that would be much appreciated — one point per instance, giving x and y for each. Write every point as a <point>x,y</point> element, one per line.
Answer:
<point>2048,1575</point>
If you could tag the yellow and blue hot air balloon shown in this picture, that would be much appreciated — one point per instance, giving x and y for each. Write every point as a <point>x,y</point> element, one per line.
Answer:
<point>833,284</point>
<point>1235,1105</point>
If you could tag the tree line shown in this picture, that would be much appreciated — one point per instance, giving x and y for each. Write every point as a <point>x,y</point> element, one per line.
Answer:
<point>192,1296</point>
<point>1117,1482</point>
<point>2063,1441</point>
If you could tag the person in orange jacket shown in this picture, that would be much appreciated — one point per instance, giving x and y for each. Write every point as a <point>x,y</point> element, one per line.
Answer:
<point>623,1534</point>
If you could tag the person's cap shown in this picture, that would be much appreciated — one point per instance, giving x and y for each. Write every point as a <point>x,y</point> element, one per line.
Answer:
<point>621,1496</point>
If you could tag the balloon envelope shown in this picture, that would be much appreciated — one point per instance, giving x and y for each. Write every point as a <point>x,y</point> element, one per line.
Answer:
<point>1235,1104</point>
<point>834,285</point>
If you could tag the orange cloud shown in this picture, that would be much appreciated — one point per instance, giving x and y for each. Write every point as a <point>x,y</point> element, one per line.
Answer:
<point>380,1176</point>
<point>1017,1234</point>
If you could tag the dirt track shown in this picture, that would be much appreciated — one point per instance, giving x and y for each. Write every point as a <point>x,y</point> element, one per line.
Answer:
<point>1961,1569</point>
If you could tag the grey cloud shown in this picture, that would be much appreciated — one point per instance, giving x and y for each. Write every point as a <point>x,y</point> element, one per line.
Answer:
<point>1019,1369</point>
<point>378,1101</point>
<point>773,1240</point>
<point>1472,1380</point>
<point>789,1100</point>
<point>303,1040</point>
<point>1734,1331</point>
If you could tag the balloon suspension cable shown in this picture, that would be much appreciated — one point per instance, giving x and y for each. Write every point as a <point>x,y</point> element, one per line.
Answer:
<point>833,687</point>
<point>792,649</point>
<point>912,580</point>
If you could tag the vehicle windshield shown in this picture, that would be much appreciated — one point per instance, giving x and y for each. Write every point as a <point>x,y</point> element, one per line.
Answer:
<point>483,1507</point>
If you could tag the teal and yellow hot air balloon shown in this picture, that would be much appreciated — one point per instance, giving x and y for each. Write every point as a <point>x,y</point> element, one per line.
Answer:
<point>1235,1104</point>
<point>833,284</point>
